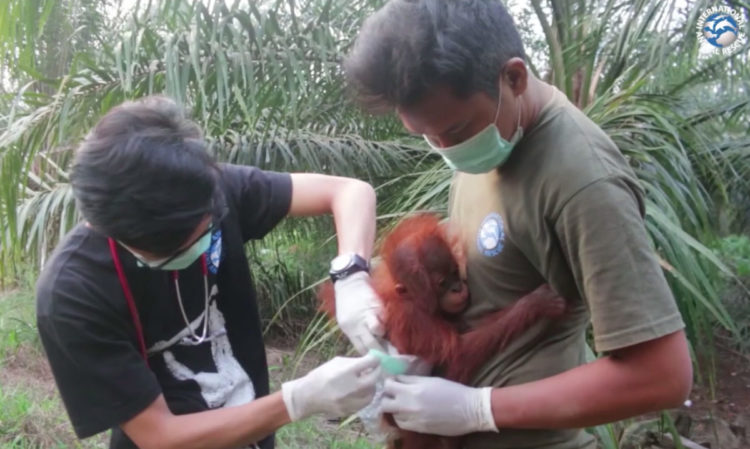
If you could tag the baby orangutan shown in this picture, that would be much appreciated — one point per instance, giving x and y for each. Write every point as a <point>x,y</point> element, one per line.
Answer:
<point>424,293</point>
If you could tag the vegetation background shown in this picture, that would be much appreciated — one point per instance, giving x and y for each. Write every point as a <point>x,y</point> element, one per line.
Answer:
<point>263,78</point>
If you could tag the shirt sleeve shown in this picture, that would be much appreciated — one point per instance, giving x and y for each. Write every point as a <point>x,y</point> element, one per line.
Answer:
<point>101,376</point>
<point>261,198</point>
<point>604,239</point>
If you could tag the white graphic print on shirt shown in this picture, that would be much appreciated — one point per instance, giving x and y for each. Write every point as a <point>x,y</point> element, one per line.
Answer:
<point>229,385</point>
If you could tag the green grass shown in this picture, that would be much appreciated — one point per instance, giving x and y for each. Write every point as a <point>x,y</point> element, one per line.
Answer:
<point>32,415</point>
<point>17,322</point>
<point>734,250</point>
<point>315,433</point>
<point>30,420</point>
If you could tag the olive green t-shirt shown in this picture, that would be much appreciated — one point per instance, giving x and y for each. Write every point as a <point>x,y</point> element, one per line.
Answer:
<point>565,209</point>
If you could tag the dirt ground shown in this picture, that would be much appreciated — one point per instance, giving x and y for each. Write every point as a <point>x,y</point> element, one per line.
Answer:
<point>732,387</point>
<point>47,425</point>
<point>721,420</point>
<point>29,371</point>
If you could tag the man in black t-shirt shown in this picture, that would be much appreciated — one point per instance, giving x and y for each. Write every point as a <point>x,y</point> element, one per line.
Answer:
<point>147,311</point>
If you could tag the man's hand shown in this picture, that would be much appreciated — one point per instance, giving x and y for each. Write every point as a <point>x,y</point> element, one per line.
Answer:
<point>357,312</point>
<point>337,388</point>
<point>438,406</point>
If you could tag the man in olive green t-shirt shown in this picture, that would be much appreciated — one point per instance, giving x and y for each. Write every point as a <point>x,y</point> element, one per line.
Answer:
<point>540,195</point>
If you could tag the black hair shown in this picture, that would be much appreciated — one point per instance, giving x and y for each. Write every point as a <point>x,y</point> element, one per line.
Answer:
<point>143,175</point>
<point>410,46</point>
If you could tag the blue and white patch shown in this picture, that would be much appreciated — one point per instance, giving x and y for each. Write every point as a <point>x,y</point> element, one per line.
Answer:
<point>491,236</point>
<point>214,252</point>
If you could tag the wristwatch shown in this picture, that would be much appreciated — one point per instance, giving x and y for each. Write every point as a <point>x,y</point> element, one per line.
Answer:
<point>347,264</point>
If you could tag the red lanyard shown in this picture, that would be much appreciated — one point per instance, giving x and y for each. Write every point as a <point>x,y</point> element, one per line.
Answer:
<point>129,294</point>
<point>129,298</point>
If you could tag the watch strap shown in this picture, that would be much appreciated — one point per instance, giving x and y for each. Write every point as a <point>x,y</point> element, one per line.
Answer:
<point>356,264</point>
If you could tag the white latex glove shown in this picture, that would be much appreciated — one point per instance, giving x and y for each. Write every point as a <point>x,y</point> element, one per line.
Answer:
<point>357,312</point>
<point>438,406</point>
<point>336,388</point>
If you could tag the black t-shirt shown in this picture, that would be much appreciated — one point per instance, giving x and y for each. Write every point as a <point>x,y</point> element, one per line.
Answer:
<point>90,339</point>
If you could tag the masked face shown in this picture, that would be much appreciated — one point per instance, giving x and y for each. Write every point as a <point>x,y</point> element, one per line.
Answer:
<point>186,256</point>
<point>482,152</point>
<point>182,259</point>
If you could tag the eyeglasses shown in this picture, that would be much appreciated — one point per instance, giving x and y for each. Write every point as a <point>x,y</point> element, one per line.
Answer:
<point>218,216</point>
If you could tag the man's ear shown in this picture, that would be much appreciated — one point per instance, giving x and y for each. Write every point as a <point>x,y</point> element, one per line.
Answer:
<point>516,75</point>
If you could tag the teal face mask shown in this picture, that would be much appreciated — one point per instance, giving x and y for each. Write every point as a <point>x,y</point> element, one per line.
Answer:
<point>483,152</point>
<point>184,260</point>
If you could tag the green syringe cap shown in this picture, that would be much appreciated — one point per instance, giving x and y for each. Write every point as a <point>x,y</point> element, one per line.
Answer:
<point>390,364</point>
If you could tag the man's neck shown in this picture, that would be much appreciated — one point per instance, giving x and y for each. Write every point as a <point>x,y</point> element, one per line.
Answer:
<point>537,94</point>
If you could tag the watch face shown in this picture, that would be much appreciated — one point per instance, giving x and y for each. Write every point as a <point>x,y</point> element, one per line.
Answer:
<point>340,262</point>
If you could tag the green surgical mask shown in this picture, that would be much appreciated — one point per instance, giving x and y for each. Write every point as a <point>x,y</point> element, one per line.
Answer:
<point>182,261</point>
<point>483,152</point>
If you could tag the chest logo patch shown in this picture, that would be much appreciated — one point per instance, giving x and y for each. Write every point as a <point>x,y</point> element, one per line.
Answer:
<point>491,235</point>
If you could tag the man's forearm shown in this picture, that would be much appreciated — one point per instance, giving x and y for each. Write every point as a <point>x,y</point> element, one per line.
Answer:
<point>228,427</point>
<point>354,215</point>
<point>607,390</point>
<point>351,201</point>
